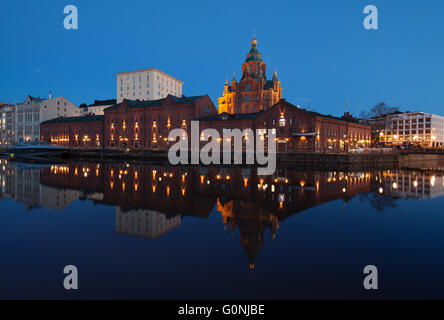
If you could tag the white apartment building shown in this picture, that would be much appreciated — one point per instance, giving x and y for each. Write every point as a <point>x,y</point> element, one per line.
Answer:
<point>146,84</point>
<point>420,128</point>
<point>57,199</point>
<point>33,111</point>
<point>144,223</point>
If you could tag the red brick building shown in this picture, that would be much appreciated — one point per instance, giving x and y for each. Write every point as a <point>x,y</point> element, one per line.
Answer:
<point>146,124</point>
<point>297,130</point>
<point>86,131</point>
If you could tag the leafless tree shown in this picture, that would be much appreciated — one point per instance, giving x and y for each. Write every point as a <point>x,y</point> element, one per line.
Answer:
<point>378,110</point>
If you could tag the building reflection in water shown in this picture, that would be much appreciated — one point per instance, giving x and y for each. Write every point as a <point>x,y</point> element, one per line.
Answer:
<point>151,200</point>
<point>412,184</point>
<point>144,223</point>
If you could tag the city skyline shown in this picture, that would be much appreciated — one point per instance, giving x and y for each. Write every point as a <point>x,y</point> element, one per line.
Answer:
<point>325,59</point>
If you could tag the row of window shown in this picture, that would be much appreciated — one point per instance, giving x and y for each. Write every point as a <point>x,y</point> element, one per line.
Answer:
<point>158,120</point>
<point>407,132</point>
<point>159,93</point>
<point>413,126</point>
<point>134,87</point>
<point>420,120</point>
<point>28,117</point>
<point>28,129</point>
<point>164,81</point>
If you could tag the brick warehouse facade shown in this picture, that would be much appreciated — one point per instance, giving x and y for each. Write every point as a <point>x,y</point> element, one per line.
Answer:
<point>84,131</point>
<point>146,125</point>
<point>297,130</point>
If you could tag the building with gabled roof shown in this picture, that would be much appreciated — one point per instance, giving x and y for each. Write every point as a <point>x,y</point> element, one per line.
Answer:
<point>34,110</point>
<point>147,123</point>
<point>82,131</point>
<point>296,129</point>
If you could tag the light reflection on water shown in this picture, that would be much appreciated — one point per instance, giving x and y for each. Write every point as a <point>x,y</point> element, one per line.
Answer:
<point>217,232</point>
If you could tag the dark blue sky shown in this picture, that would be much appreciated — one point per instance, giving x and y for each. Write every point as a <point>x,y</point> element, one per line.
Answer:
<point>321,51</point>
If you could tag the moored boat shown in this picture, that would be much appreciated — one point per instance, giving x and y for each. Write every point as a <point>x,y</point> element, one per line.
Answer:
<point>35,149</point>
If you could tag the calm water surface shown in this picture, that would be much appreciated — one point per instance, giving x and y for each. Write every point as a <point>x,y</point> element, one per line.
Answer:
<point>159,232</point>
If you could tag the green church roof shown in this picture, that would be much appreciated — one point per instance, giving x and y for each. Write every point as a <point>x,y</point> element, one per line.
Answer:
<point>254,54</point>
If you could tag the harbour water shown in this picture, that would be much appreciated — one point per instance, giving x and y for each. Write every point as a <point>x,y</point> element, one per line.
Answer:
<point>153,231</point>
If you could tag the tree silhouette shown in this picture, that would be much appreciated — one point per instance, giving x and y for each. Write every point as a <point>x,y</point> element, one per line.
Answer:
<point>378,201</point>
<point>378,110</point>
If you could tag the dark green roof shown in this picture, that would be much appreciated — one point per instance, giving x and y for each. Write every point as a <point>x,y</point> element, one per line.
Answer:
<point>254,54</point>
<point>155,103</point>
<point>74,119</point>
<point>103,102</point>
<point>268,84</point>
<point>35,99</point>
